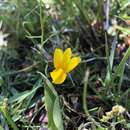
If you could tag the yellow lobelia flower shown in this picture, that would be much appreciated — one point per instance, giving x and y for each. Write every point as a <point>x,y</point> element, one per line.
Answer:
<point>63,63</point>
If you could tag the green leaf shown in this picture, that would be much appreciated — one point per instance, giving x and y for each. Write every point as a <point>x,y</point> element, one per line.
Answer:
<point>128,125</point>
<point>19,97</point>
<point>57,117</point>
<point>49,103</point>
<point>120,68</point>
<point>124,30</point>
<point>110,60</point>
<point>119,71</point>
<point>55,121</point>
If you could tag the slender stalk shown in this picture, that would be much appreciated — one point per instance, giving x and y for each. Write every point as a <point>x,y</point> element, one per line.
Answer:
<point>85,93</point>
<point>6,114</point>
<point>41,23</point>
<point>112,127</point>
<point>85,102</point>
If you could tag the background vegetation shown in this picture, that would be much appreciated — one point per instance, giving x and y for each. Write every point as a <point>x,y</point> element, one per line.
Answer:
<point>97,30</point>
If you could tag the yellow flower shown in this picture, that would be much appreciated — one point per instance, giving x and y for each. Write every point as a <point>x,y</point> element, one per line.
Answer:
<point>109,114</point>
<point>63,63</point>
<point>117,109</point>
<point>105,118</point>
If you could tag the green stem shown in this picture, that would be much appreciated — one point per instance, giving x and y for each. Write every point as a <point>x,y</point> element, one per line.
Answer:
<point>85,93</point>
<point>1,128</point>
<point>112,127</point>
<point>7,116</point>
<point>85,102</point>
<point>42,23</point>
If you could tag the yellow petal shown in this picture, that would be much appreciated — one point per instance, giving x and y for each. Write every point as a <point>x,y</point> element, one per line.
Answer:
<point>73,63</point>
<point>58,57</point>
<point>56,74</point>
<point>66,58</point>
<point>61,79</point>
